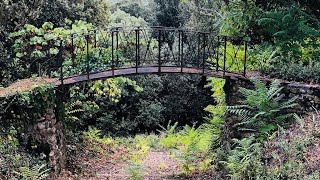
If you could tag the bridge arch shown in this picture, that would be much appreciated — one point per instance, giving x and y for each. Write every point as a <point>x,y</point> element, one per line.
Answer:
<point>123,51</point>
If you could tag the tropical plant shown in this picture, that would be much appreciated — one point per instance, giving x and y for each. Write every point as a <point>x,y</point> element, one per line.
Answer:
<point>263,109</point>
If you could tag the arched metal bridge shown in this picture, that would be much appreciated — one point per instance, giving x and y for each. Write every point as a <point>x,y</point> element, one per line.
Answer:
<point>140,50</point>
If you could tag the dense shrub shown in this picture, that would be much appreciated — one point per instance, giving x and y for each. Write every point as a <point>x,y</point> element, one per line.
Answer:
<point>296,72</point>
<point>13,157</point>
<point>179,98</point>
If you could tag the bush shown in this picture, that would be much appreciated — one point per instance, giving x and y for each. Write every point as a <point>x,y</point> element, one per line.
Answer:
<point>13,158</point>
<point>296,72</point>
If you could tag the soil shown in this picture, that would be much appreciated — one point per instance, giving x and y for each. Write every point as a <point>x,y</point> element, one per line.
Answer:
<point>157,165</point>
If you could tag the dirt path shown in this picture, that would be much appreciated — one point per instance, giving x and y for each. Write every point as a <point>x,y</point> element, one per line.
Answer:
<point>157,165</point>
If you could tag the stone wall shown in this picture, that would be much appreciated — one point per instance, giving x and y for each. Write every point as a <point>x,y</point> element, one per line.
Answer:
<point>308,95</point>
<point>49,132</point>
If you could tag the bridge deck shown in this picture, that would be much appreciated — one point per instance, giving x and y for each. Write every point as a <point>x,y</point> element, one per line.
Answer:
<point>145,70</point>
<point>28,84</point>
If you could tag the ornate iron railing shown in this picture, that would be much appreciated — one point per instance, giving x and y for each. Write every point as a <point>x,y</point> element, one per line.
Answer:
<point>135,47</point>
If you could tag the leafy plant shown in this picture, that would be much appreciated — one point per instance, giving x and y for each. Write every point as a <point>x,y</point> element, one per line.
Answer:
<point>245,159</point>
<point>168,138</point>
<point>94,142</point>
<point>71,110</point>
<point>216,117</point>
<point>264,109</point>
<point>135,172</point>
<point>36,172</point>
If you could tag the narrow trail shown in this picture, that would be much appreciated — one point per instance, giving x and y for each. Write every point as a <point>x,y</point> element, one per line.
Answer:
<point>157,165</point>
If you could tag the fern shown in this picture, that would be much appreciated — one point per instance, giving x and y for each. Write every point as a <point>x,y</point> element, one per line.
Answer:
<point>36,172</point>
<point>71,111</point>
<point>263,109</point>
<point>169,130</point>
<point>244,160</point>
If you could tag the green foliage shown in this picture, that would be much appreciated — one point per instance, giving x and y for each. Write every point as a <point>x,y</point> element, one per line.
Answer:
<point>169,13</point>
<point>289,27</point>
<point>244,161</point>
<point>34,45</point>
<point>13,157</point>
<point>217,112</point>
<point>264,108</point>
<point>239,17</point>
<point>135,172</point>
<point>143,9</point>
<point>131,110</point>
<point>93,141</point>
<point>291,153</point>
<point>90,101</point>
<point>191,144</point>
<point>169,139</point>
<point>37,172</point>
<point>295,72</point>
<point>25,108</point>
<point>71,110</point>
<point>120,18</point>
<point>19,13</point>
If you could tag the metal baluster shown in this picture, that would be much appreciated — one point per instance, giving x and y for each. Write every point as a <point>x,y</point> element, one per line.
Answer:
<point>245,58</point>
<point>225,56</point>
<point>49,61</point>
<point>88,57</point>
<point>204,52</point>
<point>117,47</point>
<point>199,42</point>
<point>137,48</point>
<point>217,51</point>
<point>159,52</point>
<point>182,39</point>
<point>95,38</point>
<point>73,56</point>
<point>179,59</point>
<point>60,57</point>
<point>112,54</point>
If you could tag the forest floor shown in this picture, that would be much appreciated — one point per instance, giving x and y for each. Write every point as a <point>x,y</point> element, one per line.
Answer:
<point>156,165</point>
